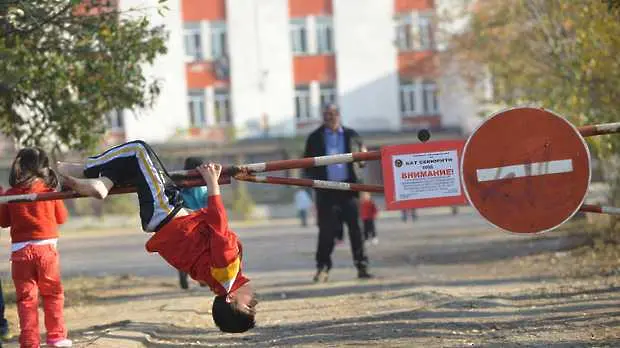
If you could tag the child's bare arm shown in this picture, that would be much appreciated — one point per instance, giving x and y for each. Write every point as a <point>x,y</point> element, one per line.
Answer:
<point>97,188</point>
<point>72,177</point>
<point>211,173</point>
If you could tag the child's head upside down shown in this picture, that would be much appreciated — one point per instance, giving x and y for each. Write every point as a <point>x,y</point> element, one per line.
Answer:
<point>199,242</point>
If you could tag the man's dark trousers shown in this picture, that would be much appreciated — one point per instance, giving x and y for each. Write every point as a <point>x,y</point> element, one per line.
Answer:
<point>335,207</point>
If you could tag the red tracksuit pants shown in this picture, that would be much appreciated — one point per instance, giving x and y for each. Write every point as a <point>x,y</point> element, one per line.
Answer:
<point>36,269</point>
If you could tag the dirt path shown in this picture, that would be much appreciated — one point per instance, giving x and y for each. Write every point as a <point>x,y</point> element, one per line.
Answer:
<point>440,286</point>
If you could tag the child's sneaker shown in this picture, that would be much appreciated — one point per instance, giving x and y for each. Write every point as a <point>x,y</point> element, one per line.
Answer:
<point>63,342</point>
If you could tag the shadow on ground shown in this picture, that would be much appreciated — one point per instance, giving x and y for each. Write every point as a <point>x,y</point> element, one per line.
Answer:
<point>490,320</point>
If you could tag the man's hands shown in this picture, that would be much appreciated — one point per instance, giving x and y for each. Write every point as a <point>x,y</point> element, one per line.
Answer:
<point>211,173</point>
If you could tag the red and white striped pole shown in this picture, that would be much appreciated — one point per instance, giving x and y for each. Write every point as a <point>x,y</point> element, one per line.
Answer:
<point>599,129</point>
<point>307,162</point>
<point>321,184</point>
<point>50,196</point>
<point>601,209</point>
<point>191,178</point>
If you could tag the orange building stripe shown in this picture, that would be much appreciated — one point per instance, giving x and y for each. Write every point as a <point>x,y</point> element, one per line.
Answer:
<point>302,8</point>
<point>200,75</point>
<point>433,121</point>
<point>410,5</point>
<point>196,10</point>
<point>320,68</point>
<point>418,64</point>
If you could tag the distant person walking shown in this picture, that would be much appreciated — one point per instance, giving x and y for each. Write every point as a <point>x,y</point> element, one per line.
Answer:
<point>303,203</point>
<point>333,206</point>
<point>368,213</point>
<point>403,215</point>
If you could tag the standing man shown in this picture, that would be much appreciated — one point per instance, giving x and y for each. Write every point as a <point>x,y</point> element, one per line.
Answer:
<point>333,206</point>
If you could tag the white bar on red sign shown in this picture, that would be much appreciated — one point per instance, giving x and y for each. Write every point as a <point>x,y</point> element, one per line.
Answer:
<point>524,170</point>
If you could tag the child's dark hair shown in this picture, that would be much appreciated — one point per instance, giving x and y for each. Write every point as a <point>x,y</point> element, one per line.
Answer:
<point>228,318</point>
<point>29,164</point>
<point>192,162</point>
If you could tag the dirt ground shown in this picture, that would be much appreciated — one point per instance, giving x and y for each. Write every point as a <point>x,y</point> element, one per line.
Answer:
<point>435,290</point>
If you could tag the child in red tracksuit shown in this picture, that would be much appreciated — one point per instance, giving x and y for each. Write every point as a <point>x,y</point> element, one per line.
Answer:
<point>368,213</point>
<point>198,243</point>
<point>35,266</point>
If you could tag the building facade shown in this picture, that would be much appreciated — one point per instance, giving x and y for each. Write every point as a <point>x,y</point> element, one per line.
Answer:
<point>238,69</point>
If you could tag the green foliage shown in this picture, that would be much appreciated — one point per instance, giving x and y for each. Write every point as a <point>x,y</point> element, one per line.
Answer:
<point>126,204</point>
<point>80,207</point>
<point>559,54</point>
<point>243,204</point>
<point>66,64</point>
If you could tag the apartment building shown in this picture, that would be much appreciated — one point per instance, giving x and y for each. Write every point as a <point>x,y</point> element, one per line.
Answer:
<point>238,69</point>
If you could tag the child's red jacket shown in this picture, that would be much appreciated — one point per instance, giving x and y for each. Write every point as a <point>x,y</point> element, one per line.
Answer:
<point>368,210</point>
<point>32,220</point>
<point>202,245</point>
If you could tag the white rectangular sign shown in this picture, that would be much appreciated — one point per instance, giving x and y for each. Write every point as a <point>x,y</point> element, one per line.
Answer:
<point>426,175</point>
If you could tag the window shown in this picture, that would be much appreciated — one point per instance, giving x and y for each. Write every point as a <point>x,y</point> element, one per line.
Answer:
<point>324,35</point>
<point>418,36</point>
<point>430,104</point>
<point>115,120</point>
<point>192,41</point>
<point>404,37</point>
<point>327,95</point>
<point>408,92</point>
<point>302,103</point>
<point>218,40</point>
<point>196,106</point>
<point>298,36</point>
<point>426,32</point>
<point>222,107</point>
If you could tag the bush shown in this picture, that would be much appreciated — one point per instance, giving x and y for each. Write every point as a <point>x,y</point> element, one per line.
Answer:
<point>80,206</point>
<point>243,204</point>
<point>125,204</point>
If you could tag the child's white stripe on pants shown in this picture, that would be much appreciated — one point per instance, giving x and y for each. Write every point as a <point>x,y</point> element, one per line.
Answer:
<point>148,175</point>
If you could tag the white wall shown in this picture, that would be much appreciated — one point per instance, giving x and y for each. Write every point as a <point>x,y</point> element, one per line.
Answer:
<point>169,112</point>
<point>366,64</point>
<point>261,66</point>
<point>459,102</point>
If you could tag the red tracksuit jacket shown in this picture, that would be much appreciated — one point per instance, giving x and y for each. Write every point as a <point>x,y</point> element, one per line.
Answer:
<point>202,245</point>
<point>32,220</point>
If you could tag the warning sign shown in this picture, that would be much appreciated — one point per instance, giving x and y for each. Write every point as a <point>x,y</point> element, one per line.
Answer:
<point>426,175</point>
<point>422,175</point>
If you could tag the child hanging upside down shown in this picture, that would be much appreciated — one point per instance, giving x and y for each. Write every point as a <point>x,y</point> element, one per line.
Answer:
<point>198,243</point>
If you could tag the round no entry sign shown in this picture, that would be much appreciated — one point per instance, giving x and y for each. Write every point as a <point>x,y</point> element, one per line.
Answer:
<point>526,170</point>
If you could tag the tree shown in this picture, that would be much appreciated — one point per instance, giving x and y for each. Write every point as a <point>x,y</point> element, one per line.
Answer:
<point>560,54</point>
<point>66,64</point>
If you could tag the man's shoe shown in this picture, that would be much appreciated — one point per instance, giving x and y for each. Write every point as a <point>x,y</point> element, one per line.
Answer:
<point>321,276</point>
<point>363,274</point>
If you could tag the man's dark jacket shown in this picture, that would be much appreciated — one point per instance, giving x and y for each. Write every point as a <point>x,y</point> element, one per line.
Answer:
<point>315,146</point>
